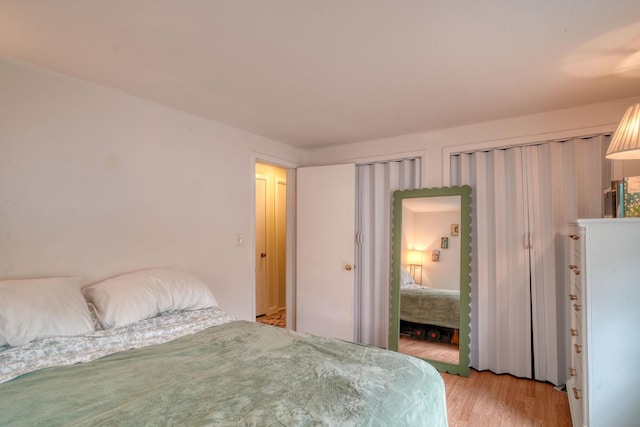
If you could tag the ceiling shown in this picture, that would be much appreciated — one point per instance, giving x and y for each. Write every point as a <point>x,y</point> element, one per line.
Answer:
<point>321,72</point>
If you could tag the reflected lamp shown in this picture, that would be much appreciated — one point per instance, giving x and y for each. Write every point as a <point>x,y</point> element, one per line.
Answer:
<point>415,260</point>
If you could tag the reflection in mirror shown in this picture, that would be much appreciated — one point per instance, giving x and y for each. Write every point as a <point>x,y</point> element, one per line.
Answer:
<point>430,286</point>
<point>431,273</point>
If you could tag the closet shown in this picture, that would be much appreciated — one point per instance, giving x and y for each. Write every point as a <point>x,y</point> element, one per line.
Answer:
<point>523,199</point>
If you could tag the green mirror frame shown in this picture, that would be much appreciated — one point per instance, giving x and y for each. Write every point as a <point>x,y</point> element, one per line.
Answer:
<point>462,368</point>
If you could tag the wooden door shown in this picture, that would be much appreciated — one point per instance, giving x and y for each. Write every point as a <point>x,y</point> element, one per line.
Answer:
<point>261,245</point>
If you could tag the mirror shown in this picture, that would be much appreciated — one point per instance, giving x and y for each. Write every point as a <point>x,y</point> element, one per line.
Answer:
<point>431,276</point>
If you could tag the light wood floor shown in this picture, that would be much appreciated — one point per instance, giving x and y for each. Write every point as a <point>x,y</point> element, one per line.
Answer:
<point>278,319</point>
<point>443,352</point>
<point>487,399</point>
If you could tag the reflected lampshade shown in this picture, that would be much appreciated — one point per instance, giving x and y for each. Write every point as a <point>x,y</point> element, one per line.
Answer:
<point>415,257</point>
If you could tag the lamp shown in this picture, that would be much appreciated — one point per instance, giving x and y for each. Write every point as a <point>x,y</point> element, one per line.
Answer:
<point>625,143</point>
<point>415,259</point>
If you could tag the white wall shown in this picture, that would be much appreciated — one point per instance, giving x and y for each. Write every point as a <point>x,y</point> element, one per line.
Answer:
<point>436,146</point>
<point>429,229</point>
<point>94,182</point>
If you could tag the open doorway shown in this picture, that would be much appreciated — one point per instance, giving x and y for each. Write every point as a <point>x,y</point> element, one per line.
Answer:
<point>271,244</point>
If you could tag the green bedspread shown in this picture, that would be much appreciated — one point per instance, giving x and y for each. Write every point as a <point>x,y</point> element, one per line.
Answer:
<point>238,373</point>
<point>429,306</point>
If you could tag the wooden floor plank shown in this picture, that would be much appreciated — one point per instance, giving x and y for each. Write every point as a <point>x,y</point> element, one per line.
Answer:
<point>486,399</point>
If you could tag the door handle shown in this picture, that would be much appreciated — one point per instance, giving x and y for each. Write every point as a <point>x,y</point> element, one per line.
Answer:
<point>263,255</point>
<point>348,267</point>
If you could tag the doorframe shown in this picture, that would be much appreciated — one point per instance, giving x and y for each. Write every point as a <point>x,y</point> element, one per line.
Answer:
<point>290,234</point>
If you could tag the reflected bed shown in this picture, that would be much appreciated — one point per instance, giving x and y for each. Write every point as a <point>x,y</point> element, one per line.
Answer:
<point>430,306</point>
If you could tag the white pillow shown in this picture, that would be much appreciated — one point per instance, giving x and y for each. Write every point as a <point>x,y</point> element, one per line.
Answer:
<point>32,309</point>
<point>405,278</point>
<point>144,294</point>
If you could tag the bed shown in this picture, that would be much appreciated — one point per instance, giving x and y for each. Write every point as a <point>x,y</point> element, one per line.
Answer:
<point>192,364</point>
<point>429,306</point>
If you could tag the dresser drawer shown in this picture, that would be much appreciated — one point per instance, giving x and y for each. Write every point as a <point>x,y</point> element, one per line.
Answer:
<point>575,367</point>
<point>575,401</point>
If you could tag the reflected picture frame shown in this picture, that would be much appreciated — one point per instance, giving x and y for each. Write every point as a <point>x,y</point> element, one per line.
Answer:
<point>444,243</point>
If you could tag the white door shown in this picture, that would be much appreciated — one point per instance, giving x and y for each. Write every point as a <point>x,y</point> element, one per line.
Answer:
<point>325,285</point>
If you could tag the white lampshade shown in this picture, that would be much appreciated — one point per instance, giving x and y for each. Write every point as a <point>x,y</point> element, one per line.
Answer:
<point>625,143</point>
<point>415,257</point>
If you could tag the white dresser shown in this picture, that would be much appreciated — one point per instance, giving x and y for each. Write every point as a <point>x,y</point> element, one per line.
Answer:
<point>604,301</point>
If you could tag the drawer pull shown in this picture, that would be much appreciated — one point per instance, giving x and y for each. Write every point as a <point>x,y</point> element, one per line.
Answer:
<point>577,307</point>
<point>572,266</point>
<point>577,348</point>
<point>577,393</point>
<point>573,297</point>
<point>572,372</point>
<point>573,332</point>
<point>574,236</point>
<point>576,271</point>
